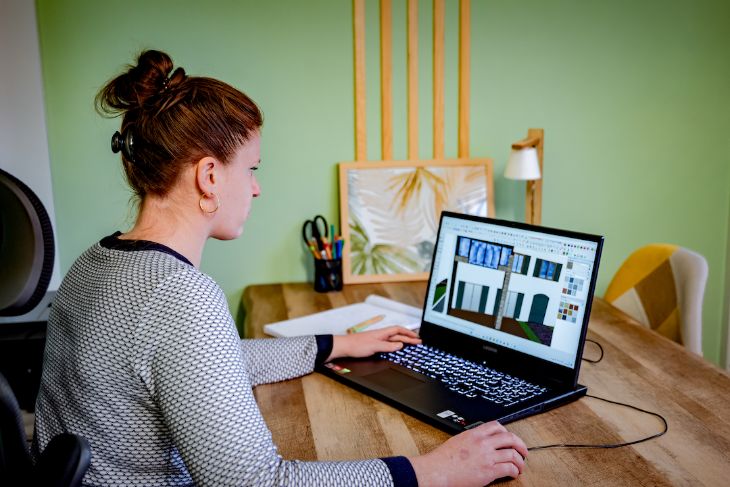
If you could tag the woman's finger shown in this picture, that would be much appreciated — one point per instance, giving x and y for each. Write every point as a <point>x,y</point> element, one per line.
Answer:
<point>506,470</point>
<point>392,346</point>
<point>405,331</point>
<point>405,339</point>
<point>507,440</point>
<point>491,428</point>
<point>509,455</point>
<point>397,330</point>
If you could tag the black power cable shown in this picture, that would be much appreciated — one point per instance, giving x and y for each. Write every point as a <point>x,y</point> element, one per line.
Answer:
<point>609,445</point>
<point>592,361</point>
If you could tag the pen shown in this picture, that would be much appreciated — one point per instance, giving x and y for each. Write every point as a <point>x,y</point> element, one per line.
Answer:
<point>340,246</point>
<point>327,247</point>
<point>364,324</point>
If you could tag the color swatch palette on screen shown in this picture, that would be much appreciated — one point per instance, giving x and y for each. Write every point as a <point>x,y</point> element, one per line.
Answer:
<point>573,286</point>
<point>568,312</point>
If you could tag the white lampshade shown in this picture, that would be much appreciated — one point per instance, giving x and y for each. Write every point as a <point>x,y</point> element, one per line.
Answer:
<point>523,165</point>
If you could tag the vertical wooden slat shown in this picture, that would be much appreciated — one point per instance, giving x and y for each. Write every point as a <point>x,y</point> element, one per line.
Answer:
<point>438,79</point>
<point>533,191</point>
<point>464,53</point>
<point>530,202</point>
<point>412,79</point>
<point>358,18</point>
<point>386,80</point>
<point>537,212</point>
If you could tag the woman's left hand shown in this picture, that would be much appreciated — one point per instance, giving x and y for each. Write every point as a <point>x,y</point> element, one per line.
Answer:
<point>367,343</point>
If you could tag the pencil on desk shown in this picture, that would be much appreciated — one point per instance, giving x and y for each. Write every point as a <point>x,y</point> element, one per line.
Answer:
<point>364,324</point>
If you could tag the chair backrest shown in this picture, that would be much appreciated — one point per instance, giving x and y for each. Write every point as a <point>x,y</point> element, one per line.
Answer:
<point>662,286</point>
<point>63,463</point>
<point>15,460</point>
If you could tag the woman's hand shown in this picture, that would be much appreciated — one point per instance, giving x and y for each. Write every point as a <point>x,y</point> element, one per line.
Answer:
<point>475,457</point>
<point>367,343</point>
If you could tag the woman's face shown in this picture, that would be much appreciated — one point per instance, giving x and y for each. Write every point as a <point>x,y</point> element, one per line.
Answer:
<point>238,189</point>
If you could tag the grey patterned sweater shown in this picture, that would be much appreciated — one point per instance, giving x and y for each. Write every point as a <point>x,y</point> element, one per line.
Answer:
<point>144,361</point>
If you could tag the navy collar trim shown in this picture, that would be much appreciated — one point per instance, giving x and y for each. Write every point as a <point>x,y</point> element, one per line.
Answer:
<point>113,242</point>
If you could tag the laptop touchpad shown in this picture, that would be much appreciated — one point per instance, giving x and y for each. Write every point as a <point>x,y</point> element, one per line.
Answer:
<point>393,380</point>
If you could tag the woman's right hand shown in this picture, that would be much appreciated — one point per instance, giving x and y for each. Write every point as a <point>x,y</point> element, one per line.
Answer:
<point>475,457</point>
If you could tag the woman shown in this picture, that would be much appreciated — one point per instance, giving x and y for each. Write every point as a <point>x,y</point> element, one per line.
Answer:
<point>143,358</point>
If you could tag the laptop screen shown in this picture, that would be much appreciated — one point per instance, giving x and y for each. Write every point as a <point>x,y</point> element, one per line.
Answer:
<point>522,289</point>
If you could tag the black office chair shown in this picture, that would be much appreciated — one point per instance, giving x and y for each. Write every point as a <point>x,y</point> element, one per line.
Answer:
<point>62,464</point>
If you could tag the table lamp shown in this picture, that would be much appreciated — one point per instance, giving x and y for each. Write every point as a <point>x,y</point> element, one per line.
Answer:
<point>525,164</point>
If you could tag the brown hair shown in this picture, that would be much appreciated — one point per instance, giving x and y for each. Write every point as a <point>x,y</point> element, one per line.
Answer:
<point>174,119</point>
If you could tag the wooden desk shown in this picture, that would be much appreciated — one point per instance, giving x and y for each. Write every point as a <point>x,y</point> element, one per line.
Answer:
<point>315,417</point>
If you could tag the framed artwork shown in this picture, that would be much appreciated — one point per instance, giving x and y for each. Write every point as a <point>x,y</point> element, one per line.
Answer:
<point>390,211</point>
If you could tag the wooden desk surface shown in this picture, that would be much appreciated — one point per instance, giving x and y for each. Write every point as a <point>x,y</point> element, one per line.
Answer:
<point>315,417</point>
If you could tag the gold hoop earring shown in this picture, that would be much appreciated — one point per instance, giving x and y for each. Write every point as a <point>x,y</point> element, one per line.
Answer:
<point>217,203</point>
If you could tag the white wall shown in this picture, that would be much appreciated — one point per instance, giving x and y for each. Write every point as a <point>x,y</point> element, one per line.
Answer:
<point>23,135</point>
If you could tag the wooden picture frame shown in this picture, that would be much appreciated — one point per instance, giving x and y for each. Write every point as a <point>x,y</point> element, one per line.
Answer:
<point>390,211</point>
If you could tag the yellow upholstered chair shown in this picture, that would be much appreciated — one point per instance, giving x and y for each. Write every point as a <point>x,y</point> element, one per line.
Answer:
<point>662,286</point>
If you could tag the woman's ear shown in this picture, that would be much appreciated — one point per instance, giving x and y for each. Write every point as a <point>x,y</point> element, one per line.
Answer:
<point>207,175</point>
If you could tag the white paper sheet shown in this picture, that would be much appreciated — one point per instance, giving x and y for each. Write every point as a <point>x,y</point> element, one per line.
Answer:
<point>337,321</point>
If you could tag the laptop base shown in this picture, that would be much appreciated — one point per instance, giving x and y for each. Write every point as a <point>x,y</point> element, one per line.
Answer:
<point>430,400</point>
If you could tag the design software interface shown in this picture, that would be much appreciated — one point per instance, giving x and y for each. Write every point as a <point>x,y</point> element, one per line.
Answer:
<point>521,289</point>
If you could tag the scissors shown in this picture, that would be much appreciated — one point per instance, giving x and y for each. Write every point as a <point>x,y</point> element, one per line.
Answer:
<point>312,228</point>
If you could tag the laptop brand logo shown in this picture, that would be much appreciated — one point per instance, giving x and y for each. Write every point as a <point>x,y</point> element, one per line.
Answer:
<point>487,348</point>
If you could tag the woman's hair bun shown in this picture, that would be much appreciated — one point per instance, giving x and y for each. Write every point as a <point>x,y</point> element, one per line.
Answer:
<point>140,86</point>
<point>170,120</point>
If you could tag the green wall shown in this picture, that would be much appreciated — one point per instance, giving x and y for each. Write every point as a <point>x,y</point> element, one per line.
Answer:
<point>633,97</point>
<point>725,358</point>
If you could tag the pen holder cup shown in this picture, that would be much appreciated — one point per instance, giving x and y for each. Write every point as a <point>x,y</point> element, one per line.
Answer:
<point>327,275</point>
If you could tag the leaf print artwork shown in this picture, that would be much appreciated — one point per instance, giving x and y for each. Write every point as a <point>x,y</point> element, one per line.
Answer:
<point>391,212</point>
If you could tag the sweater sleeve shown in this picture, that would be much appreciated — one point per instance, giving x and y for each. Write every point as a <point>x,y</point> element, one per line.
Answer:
<point>274,359</point>
<point>197,376</point>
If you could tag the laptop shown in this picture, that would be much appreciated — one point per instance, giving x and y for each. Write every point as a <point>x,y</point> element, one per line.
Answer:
<point>503,328</point>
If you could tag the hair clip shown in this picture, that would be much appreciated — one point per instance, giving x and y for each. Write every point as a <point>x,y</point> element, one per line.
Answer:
<point>165,85</point>
<point>123,143</point>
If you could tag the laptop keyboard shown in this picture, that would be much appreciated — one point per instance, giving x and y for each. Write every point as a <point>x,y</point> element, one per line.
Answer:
<point>464,377</point>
